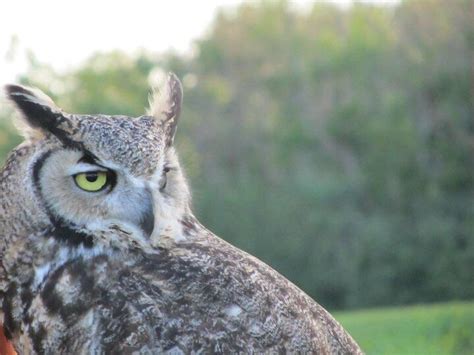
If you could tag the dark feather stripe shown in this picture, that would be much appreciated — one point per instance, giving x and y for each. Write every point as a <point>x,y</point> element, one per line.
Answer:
<point>61,230</point>
<point>37,336</point>
<point>65,232</point>
<point>10,326</point>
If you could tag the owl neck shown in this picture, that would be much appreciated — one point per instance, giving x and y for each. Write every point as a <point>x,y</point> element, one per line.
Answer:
<point>174,220</point>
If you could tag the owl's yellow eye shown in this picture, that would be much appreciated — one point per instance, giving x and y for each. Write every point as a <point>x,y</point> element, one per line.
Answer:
<point>92,181</point>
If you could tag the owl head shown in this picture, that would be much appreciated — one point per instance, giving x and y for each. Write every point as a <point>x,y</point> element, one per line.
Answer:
<point>84,176</point>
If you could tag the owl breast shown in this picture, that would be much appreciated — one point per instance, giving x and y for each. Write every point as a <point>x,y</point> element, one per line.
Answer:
<point>201,296</point>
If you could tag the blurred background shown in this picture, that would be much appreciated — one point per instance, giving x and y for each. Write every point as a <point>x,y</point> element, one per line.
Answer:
<point>333,140</point>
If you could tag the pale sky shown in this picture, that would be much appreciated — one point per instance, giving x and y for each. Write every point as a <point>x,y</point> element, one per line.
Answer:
<point>64,33</point>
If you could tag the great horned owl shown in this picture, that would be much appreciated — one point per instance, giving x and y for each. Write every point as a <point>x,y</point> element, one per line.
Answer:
<point>100,252</point>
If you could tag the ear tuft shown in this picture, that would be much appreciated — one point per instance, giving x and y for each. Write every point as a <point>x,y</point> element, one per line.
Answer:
<point>38,110</point>
<point>31,102</point>
<point>165,105</point>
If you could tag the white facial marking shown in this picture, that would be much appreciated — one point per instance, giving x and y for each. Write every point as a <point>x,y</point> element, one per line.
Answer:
<point>83,168</point>
<point>65,254</point>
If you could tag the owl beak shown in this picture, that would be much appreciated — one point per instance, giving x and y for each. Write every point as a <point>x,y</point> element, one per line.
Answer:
<point>147,222</point>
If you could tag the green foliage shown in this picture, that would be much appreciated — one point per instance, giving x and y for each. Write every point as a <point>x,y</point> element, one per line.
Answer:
<point>336,145</point>
<point>437,329</point>
<point>8,138</point>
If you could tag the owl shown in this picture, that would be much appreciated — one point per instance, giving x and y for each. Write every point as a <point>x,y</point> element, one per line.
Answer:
<point>100,252</point>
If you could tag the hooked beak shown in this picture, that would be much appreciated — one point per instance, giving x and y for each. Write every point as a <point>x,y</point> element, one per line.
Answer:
<point>147,221</point>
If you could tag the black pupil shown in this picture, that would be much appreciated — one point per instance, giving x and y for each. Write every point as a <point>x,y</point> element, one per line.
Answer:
<point>92,176</point>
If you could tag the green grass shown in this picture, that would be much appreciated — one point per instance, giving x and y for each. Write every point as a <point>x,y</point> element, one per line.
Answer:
<point>426,329</point>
